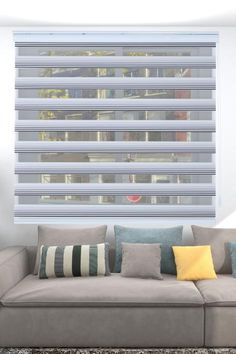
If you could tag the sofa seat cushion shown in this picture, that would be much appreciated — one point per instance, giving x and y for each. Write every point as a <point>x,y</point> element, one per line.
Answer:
<point>218,292</point>
<point>113,290</point>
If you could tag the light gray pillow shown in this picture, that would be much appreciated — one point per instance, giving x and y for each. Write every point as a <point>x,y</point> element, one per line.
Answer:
<point>219,240</point>
<point>141,260</point>
<point>50,236</point>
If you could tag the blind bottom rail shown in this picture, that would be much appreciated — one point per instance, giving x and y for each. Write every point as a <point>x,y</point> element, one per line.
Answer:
<point>44,211</point>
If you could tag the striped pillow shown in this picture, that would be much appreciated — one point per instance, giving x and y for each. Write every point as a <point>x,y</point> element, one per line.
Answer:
<point>74,261</point>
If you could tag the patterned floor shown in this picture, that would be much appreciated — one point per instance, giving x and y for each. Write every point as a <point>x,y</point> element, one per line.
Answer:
<point>117,351</point>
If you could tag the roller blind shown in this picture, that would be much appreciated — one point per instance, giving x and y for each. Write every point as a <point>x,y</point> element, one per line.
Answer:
<point>115,124</point>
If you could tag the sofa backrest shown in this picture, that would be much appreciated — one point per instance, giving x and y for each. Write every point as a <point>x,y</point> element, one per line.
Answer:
<point>110,238</point>
<point>32,250</point>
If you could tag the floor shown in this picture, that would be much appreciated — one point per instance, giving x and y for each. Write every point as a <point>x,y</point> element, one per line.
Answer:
<point>117,351</point>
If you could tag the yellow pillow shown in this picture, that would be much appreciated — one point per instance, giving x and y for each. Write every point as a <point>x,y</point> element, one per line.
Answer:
<point>194,262</point>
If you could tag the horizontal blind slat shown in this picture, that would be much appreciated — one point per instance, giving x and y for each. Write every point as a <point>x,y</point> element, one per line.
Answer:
<point>114,125</point>
<point>115,147</point>
<point>112,37</point>
<point>69,211</point>
<point>195,168</point>
<point>119,83</point>
<point>122,189</point>
<point>118,44</point>
<point>115,36</point>
<point>197,62</point>
<point>123,104</point>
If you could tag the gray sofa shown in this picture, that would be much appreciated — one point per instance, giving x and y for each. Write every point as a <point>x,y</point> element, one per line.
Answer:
<point>111,311</point>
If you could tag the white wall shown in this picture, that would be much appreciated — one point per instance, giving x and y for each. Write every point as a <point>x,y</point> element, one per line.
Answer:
<point>11,234</point>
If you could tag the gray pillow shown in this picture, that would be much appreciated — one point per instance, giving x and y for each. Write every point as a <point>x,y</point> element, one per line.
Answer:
<point>141,260</point>
<point>49,236</point>
<point>219,240</point>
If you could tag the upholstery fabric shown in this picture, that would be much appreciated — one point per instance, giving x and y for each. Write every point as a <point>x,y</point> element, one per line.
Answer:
<point>14,266</point>
<point>111,291</point>
<point>167,237</point>
<point>220,324</point>
<point>232,247</point>
<point>74,261</point>
<point>141,260</point>
<point>120,327</point>
<point>194,262</point>
<point>49,236</point>
<point>219,240</point>
<point>31,252</point>
<point>219,292</point>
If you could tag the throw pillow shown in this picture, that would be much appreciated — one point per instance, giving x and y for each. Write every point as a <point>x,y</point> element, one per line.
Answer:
<point>232,247</point>
<point>194,262</point>
<point>49,236</point>
<point>167,237</point>
<point>73,261</point>
<point>141,260</point>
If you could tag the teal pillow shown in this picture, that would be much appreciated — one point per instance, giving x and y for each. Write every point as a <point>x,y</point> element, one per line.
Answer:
<point>167,237</point>
<point>232,248</point>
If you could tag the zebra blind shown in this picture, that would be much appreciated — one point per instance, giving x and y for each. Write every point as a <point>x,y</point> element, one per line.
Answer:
<point>114,124</point>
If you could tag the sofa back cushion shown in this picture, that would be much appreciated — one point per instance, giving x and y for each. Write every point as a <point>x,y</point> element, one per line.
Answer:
<point>219,240</point>
<point>50,236</point>
<point>167,237</point>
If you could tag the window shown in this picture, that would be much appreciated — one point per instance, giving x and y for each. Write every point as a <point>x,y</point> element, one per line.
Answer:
<point>115,125</point>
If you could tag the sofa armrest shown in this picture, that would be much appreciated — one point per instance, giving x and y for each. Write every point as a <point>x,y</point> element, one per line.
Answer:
<point>14,266</point>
